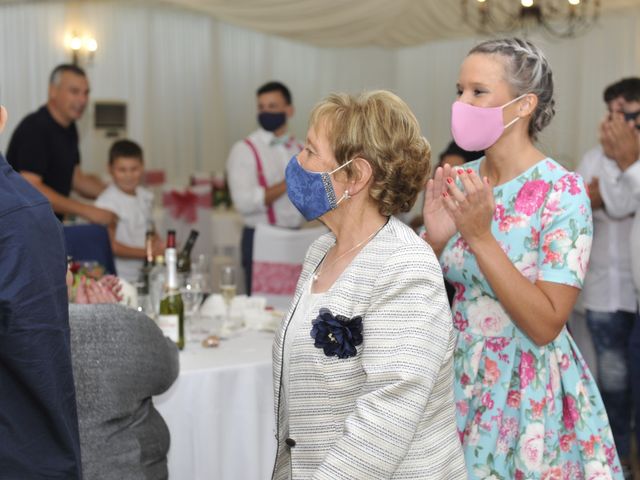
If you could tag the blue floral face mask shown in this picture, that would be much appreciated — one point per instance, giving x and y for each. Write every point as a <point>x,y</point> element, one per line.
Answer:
<point>311,192</point>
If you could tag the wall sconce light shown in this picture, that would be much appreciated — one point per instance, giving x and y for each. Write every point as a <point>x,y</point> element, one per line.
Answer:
<point>81,46</point>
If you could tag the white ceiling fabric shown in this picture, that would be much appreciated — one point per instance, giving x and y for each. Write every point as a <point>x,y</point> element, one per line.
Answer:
<point>352,23</point>
<point>189,79</point>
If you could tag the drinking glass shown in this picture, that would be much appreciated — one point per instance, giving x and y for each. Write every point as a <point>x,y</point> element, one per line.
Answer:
<point>228,288</point>
<point>202,266</point>
<point>192,294</point>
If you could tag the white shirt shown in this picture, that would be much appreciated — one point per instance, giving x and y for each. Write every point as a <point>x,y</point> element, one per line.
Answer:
<point>307,309</point>
<point>134,211</point>
<point>246,192</point>
<point>622,197</point>
<point>608,286</point>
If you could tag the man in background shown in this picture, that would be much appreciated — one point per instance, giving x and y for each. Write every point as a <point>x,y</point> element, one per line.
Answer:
<point>608,294</point>
<point>256,168</point>
<point>38,419</point>
<point>620,139</point>
<point>44,148</point>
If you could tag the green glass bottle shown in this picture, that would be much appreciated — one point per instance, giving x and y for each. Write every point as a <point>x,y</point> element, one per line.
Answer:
<point>184,258</point>
<point>149,260</point>
<point>171,317</point>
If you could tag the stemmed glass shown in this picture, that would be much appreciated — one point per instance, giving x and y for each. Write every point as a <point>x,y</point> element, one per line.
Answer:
<point>203,267</point>
<point>192,294</point>
<point>228,288</point>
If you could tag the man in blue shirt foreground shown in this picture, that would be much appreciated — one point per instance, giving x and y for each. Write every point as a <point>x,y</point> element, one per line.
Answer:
<point>38,421</point>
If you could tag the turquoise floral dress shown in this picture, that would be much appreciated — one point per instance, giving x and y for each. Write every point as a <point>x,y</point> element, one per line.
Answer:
<point>524,411</point>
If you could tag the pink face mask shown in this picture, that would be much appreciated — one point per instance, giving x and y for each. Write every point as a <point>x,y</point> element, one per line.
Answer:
<point>477,128</point>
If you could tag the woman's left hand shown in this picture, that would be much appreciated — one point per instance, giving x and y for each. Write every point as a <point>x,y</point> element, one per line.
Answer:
<point>471,208</point>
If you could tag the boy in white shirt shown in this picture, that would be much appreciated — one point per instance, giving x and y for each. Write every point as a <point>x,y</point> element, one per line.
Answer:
<point>132,203</point>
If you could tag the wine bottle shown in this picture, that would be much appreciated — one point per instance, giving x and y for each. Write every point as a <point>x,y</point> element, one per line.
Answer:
<point>184,259</point>
<point>149,261</point>
<point>171,317</point>
<point>148,244</point>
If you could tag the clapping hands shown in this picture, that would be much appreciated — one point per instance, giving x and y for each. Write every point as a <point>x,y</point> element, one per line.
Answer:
<point>437,220</point>
<point>471,207</point>
<point>449,208</point>
<point>619,140</point>
<point>105,290</point>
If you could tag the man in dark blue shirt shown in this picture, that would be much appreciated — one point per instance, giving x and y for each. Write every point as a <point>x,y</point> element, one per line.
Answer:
<point>44,147</point>
<point>38,420</point>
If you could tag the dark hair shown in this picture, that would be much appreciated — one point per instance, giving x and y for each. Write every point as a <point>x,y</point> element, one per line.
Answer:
<point>65,67</point>
<point>627,88</point>
<point>454,149</point>
<point>125,148</point>
<point>275,87</point>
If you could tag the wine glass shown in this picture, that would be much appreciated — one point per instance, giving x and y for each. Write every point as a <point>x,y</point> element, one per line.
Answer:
<point>192,294</point>
<point>203,267</point>
<point>228,288</point>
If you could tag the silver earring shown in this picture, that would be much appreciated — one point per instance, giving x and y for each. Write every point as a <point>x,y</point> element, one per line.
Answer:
<point>347,195</point>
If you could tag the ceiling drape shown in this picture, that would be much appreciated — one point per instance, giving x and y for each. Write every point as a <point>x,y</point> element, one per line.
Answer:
<point>352,23</point>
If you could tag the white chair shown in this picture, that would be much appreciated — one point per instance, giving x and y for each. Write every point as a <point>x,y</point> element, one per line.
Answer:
<point>278,254</point>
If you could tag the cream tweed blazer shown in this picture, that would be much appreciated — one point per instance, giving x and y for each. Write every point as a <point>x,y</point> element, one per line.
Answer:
<point>388,412</point>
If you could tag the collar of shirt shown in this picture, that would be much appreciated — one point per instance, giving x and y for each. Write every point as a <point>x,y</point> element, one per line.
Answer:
<point>283,140</point>
<point>270,139</point>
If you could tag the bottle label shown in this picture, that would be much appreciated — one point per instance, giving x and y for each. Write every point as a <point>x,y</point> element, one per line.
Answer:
<point>169,326</point>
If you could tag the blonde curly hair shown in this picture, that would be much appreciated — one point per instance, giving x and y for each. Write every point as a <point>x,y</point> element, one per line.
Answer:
<point>379,127</point>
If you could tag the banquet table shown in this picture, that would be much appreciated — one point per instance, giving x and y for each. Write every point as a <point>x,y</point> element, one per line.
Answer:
<point>220,411</point>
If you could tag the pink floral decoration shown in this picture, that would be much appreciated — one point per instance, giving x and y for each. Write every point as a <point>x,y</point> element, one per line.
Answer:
<point>526,370</point>
<point>531,197</point>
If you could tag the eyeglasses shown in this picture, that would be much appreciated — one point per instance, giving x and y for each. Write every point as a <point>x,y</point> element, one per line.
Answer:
<point>630,116</point>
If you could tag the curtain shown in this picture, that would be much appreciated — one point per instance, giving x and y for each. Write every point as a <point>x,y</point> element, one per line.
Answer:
<point>355,23</point>
<point>189,80</point>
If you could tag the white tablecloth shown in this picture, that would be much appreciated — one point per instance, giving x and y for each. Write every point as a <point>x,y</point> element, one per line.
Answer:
<point>220,411</point>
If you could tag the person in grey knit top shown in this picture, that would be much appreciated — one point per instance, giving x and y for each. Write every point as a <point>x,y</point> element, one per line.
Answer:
<point>120,360</point>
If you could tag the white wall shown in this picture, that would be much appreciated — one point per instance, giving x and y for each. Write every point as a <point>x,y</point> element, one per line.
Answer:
<point>582,68</point>
<point>189,80</point>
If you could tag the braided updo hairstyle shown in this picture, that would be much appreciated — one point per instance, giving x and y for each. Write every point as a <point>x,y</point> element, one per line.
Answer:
<point>527,71</point>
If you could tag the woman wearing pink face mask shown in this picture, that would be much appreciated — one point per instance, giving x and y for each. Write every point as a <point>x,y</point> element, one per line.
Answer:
<point>513,234</point>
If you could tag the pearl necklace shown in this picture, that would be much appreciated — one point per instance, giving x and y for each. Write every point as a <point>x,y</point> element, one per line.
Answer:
<point>317,274</point>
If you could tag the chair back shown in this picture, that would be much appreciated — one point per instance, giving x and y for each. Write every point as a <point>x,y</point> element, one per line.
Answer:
<point>278,254</point>
<point>90,243</point>
<point>185,209</point>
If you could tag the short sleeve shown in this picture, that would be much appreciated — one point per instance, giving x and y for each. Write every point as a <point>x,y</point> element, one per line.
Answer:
<point>246,193</point>
<point>107,201</point>
<point>566,232</point>
<point>27,152</point>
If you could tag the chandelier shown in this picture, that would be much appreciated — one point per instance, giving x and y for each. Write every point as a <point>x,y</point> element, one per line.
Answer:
<point>558,18</point>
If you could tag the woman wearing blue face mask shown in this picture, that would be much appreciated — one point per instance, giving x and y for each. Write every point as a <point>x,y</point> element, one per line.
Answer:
<point>513,233</point>
<point>363,360</point>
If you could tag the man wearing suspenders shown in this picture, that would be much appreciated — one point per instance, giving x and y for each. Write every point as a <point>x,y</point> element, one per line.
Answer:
<point>255,170</point>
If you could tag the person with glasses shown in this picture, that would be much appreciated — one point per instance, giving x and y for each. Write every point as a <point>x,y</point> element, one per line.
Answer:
<point>608,295</point>
<point>621,198</point>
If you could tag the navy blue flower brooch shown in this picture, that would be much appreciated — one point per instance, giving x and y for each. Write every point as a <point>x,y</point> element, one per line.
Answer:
<point>337,335</point>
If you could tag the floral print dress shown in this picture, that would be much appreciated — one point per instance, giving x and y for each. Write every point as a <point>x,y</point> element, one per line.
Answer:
<point>524,411</point>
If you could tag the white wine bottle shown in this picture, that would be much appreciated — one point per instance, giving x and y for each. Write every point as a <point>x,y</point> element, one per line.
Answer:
<point>171,318</point>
